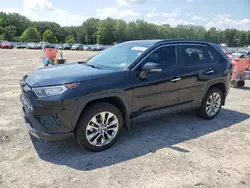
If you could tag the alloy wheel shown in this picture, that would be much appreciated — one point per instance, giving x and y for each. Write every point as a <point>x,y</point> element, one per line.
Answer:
<point>213,104</point>
<point>102,129</point>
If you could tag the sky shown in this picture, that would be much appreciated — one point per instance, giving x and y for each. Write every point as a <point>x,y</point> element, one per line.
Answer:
<point>209,13</point>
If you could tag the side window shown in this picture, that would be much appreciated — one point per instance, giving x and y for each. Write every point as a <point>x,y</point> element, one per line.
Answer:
<point>165,56</point>
<point>197,55</point>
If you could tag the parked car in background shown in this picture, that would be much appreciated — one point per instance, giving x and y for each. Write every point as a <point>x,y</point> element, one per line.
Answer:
<point>77,47</point>
<point>33,45</point>
<point>241,54</point>
<point>42,44</point>
<point>21,46</point>
<point>49,46</point>
<point>59,47</point>
<point>6,45</point>
<point>93,48</point>
<point>66,47</point>
<point>87,47</point>
<point>93,101</point>
<point>99,47</point>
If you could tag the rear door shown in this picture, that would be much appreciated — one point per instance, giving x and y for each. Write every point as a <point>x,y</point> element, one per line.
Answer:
<point>200,64</point>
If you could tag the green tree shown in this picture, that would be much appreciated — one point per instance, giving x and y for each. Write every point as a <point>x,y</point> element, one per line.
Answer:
<point>3,19</point>
<point>212,35</point>
<point>89,30</point>
<point>9,33</point>
<point>30,35</point>
<point>230,36</point>
<point>121,31</point>
<point>248,38</point>
<point>70,39</point>
<point>20,22</point>
<point>242,38</point>
<point>106,31</point>
<point>48,36</point>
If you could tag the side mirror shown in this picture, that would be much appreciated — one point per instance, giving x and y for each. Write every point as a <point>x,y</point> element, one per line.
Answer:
<point>151,67</point>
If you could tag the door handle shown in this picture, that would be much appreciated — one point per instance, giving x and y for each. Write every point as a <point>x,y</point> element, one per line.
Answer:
<point>210,71</point>
<point>175,79</point>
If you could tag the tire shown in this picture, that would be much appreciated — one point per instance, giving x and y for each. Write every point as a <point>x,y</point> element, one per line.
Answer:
<point>238,84</point>
<point>100,141</point>
<point>204,111</point>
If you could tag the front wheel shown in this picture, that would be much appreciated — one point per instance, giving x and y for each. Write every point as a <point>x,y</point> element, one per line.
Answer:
<point>211,104</point>
<point>99,127</point>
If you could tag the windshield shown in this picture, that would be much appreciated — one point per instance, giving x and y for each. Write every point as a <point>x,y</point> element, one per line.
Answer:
<point>118,56</point>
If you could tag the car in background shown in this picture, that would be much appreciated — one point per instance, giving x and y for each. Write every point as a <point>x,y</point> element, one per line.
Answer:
<point>33,45</point>
<point>77,47</point>
<point>6,45</point>
<point>42,44</point>
<point>241,54</point>
<point>66,47</point>
<point>87,47</point>
<point>20,46</point>
<point>99,47</point>
<point>49,46</point>
<point>93,48</point>
<point>59,47</point>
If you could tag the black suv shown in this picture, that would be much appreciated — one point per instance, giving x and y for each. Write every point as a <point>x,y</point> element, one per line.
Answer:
<point>93,100</point>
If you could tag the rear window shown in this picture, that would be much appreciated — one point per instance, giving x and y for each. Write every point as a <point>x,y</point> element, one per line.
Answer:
<point>197,55</point>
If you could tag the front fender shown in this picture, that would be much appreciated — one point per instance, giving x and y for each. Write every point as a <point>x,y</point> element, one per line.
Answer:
<point>83,101</point>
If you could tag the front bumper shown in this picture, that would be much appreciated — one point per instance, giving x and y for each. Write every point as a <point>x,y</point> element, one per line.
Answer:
<point>35,127</point>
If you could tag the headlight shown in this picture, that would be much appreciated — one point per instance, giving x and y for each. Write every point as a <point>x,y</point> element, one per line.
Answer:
<point>52,90</point>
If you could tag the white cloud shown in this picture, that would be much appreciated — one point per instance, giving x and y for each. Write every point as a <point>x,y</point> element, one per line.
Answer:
<point>129,2</point>
<point>198,18</point>
<point>11,10</point>
<point>226,21</point>
<point>174,13</point>
<point>115,13</point>
<point>43,10</point>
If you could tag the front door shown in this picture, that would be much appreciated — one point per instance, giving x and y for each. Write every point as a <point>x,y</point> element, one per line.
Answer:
<point>159,90</point>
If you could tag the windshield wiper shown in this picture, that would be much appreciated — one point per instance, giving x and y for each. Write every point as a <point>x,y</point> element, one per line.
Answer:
<point>93,66</point>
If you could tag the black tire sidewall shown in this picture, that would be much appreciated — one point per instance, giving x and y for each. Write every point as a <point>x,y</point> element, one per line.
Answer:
<point>88,114</point>
<point>203,112</point>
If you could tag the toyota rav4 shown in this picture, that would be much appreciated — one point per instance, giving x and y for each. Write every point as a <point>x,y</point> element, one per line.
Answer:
<point>92,101</point>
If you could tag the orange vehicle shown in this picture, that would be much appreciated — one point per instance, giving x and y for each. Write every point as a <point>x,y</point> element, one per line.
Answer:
<point>241,72</point>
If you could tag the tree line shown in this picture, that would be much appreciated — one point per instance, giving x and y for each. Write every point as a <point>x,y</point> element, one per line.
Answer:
<point>15,27</point>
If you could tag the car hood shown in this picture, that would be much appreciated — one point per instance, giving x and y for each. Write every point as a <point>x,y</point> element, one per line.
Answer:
<point>62,74</point>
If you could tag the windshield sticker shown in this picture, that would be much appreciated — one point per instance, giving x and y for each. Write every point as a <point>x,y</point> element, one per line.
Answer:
<point>138,48</point>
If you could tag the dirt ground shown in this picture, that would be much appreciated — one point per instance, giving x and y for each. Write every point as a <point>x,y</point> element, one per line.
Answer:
<point>180,151</point>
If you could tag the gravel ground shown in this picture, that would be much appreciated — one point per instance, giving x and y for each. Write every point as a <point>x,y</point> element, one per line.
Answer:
<point>175,151</point>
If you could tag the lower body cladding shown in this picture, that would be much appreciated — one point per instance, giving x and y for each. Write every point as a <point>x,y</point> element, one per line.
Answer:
<point>50,120</point>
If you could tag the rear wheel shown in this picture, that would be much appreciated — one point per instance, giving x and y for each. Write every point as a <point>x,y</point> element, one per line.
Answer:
<point>99,127</point>
<point>211,104</point>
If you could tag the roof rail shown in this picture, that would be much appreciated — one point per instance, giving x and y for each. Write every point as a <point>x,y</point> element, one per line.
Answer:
<point>180,40</point>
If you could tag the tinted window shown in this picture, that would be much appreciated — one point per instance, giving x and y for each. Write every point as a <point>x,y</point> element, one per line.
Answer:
<point>165,56</point>
<point>197,55</point>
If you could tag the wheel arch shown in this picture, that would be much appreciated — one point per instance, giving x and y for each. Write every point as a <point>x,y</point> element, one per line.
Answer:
<point>117,99</point>
<point>218,84</point>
